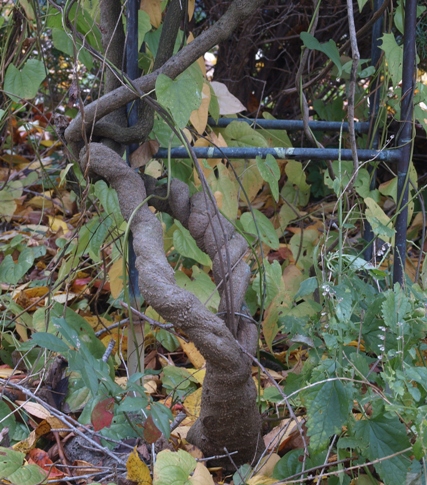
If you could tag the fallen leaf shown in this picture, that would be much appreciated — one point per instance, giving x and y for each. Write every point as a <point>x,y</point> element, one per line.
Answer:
<point>201,476</point>
<point>115,275</point>
<point>137,470</point>
<point>35,409</point>
<point>40,457</point>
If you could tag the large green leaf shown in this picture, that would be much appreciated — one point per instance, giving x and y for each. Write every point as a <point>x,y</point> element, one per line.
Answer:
<point>13,470</point>
<point>186,246</point>
<point>181,95</point>
<point>7,420</point>
<point>24,83</point>
<point>65,44</point>
<point>273,283</point>
<point>329,48</point>
<point>8,195</point>
<point>11,272</point>
<point>394,308</point>
<point>328,408</point>
<point>238,134</point>
<point>385,436</point>
<point>173,468</point>
<point>261,225</point>
<point>201,285</point>
<point>109,200</point>
<point>394,57</point>
<point>270,172</point>
<point>51,342</point>
<point>379,220</point>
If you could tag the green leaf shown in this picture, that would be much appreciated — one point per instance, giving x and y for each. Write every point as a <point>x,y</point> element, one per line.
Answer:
<point>186,246</point>
<point>222,180</point>
<point>65,44</point>
<point>328,408</point>
<point>288,465</point>
<point>167,340</point>
<point>394,308</point>
<point>329,48</point>
<point>10,460</point>
<point>11,272</point>
<point>24,83</point>
<point>161,416</point>
<point>270,172</point>
<point>109,200</point>
<point>85,332</point>
<point>133,404</point>
<point>417,374</point>
<point>361,4</point>
<point>273,282</point>
<point>8,195</point>
<point>242,474</point>
<point>238,134</point>
<point>177,378</point>
<point>201,285</point>
<point>386,436</point>
<point>213,105</point>
<point>394,57</point>
<point>266,230</point>
<point>182,95</point>
<point>173,468</point>
<point>101,231</point>
<point>296,190</point>
<point>307,287</point>
<point>379,220</point>
<point>7,420</point>
<point>144,25</point>
<point>50,342</point>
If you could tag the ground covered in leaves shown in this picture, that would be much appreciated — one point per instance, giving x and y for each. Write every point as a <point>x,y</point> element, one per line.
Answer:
<point>71,411</point>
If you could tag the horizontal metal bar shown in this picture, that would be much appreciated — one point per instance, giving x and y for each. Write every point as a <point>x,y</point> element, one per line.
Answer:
<point>387,156</point>
<point>292,125</point>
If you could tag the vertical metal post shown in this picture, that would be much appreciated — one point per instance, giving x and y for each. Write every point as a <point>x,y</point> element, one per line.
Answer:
<point>405,140</point>
<point>374,104</point>
<point>135,332</point>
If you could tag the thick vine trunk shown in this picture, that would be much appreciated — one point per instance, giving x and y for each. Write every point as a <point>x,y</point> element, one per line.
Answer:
<point>229,416</point>
<point>229,419</point>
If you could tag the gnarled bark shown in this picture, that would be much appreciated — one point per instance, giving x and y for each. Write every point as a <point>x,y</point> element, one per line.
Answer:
<point>229,416</point>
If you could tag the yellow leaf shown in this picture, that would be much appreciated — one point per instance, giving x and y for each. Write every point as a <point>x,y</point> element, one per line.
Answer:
<point>199,117</point>
<point>40,202</point>
<point>154,11</point>
<point>27,444</point>
<point>201,476</point>
<point>191,5</point>
<point>267,465</point>
<point>56,223</point>
<point>198,374</point>
<point>6,372</point>
<point>193,404</point>
<point>47,143</point>
<point>115,274</point>
<point>261,480</point>
<point>194,356</point>
<point>138,471</point>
